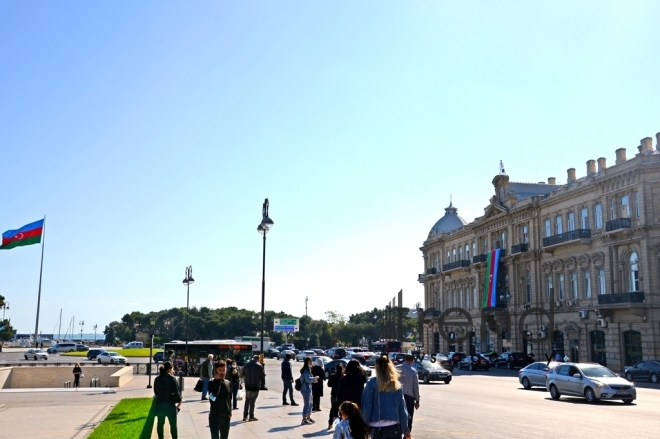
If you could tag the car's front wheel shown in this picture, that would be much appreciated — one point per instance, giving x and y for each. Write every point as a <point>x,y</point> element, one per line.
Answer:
<point>99,361</point>
<point>526,384</point>
<point>35,358</point>
<point>654,378</point>
<point>447,381</point>
<point>26,357</point>
<point>590,395</point>
<point>629,377</point>
<point>554,392</point>
<point>627,401</point>
<point>426,379</point>
<point>471,366</point>
<point>510,365</point>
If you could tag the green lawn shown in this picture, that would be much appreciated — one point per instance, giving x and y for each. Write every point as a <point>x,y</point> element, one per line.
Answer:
<point>144,352</point>
<point>131,418</point>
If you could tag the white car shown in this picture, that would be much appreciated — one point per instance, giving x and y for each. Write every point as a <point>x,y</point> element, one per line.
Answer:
<point>36,354</point>
<point>110,357</point>
<point>303,354</point>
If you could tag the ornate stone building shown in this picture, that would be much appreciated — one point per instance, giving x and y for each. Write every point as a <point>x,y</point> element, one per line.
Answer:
<point>579,264</point>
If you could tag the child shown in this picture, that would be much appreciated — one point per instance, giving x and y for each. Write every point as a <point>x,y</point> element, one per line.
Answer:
<point>352,426</point>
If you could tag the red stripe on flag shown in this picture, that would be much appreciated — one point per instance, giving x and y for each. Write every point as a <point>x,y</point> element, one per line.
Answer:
<point>22,235</point>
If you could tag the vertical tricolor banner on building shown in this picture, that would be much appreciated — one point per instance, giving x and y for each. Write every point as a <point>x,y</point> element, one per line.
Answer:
<point>490,279</point>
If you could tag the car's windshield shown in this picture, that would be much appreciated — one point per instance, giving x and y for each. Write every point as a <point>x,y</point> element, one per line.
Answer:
<point>598,372</point>
<point>113,354</point>
<point>431,366</point>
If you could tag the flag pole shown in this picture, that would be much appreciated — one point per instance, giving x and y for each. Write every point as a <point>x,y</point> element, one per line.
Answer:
<point>41,270</point>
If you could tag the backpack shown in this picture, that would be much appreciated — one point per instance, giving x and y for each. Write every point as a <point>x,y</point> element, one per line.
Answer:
<point>298,384</point>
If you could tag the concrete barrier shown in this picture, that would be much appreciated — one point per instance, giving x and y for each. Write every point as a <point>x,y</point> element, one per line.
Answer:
<point>53,376</point>
<point>4,376</point>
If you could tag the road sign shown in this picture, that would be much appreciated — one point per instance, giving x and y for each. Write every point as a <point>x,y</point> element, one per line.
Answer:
<point>419,344</point>
<point>286,325</point>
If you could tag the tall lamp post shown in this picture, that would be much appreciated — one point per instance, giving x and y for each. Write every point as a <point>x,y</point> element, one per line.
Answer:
<point>95,326</point>
<point>187,281</point>
<point>82,325</point>
<point>152,322</point>
<point>5,306</point>
<point>264,228</point>
<point>306,322</point>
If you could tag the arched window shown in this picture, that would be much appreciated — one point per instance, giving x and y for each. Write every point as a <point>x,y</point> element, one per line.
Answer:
<point>528,287</point>
<point>634,272</point>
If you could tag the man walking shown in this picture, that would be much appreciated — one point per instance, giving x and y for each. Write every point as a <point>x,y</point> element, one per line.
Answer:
<point>253,374</point>
<point>263,380</point>
<point>206,373</point>
<point>287,380</point>
<point>220,394</point>
<point>410,383</point>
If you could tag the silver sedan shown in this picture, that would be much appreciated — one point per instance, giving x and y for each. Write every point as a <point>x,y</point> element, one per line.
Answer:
<point>534,374</point>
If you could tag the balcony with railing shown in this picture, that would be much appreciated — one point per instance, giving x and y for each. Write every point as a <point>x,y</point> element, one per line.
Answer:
<point>432,270</point>
<point>567,237</point>
<point>478,259</point>
<point>456,264</point>
<point>617,299</point>
<point>618,224</point>
<point>519,248</point>
<point>420,277</point>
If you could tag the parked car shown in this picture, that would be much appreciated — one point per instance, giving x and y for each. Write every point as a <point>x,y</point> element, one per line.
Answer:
<point>158,357</point>
<point>644,370</point>
<point>82,348</point>
<point>427,372</point>
<point>511,360</point>
<point>456,357</point>
<point>336,353</point>
<point>110,357</point>
<point>283,353</point>
<point>134,345</point>
<point>474,362</point>
<point>590,381</point>
<point>534,374</point>
<point>302,354</point>
<point>36,354</point>
<point>272,353</point>
<point>62,347</point>
<point>93,353</point>
<point>321,348</point>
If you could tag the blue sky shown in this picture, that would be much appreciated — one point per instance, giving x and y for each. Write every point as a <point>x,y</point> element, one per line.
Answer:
<point>150,133</point>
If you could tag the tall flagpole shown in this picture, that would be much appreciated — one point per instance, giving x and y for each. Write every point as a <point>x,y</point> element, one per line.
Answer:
<point>41,270</point>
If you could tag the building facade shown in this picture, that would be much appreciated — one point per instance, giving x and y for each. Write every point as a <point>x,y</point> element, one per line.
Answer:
<point>579,267</point>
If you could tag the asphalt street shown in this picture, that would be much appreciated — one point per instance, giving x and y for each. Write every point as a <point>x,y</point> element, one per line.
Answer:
<point>17,356</point>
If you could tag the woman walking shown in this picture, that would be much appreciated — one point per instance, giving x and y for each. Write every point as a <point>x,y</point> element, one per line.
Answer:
<point>333,383</point>
<point>383,406</point>
<point>168,400</point>
<point>235,379</point>
<point>352,425</point>
<point>307,379</point>
<point>77,372</point>
<point>351,384</point>
<point>317,388</point>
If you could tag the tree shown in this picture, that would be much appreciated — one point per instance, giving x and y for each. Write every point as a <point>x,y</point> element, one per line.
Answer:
<point>109,332</point>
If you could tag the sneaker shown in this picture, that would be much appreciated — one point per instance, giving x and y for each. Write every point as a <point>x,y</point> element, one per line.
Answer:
<point>235,408</point>
<point>294,404</point>
<point>306,422</point>
<point>311,420</point>
<point>285,403</point>
<point>245,419</point>
<point>253,419</point>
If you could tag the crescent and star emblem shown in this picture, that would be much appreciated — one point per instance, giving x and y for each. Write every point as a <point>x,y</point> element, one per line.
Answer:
<point>18,236</point>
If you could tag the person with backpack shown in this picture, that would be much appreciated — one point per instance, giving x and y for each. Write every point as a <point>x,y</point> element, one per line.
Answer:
<point>306,381</point>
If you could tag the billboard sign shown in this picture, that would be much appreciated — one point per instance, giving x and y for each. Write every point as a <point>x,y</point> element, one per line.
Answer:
<point>286,325</point>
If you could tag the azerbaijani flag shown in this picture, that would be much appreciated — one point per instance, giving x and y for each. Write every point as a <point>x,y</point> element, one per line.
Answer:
<point>26,235</point>
<point>490,281</point>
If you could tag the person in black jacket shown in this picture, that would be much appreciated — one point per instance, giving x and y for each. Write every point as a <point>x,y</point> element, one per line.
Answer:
<point>317,388</point>
<point>235,379</point>
<point>352,384</point>
<point>77,371</point>
<point>287,380</point>
<point>333,383</point>
<point>220,395</point>
<point>168,400</point>
<point>253,374</point>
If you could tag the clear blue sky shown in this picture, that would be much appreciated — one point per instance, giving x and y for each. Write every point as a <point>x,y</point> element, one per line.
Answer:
<point>150,133</point>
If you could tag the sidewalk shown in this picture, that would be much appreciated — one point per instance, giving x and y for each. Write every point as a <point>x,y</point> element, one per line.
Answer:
<point>275,421</point>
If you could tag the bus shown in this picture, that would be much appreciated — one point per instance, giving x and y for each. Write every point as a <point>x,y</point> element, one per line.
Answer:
<point>256,342</point>
<point>198,350</point>
<point>386,346</point>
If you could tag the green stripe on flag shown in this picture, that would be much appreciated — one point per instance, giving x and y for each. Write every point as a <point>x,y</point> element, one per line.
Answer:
<point>22,242</point>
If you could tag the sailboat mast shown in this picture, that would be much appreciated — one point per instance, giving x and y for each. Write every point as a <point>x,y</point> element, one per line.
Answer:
<point>59,331</point>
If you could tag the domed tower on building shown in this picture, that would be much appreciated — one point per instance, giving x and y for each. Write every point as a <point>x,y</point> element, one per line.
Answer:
<point>450,221</point>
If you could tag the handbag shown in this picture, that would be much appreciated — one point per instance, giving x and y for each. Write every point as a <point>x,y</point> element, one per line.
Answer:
<point>298,384</point>
<point>240,395</point>
<point>199,386</point>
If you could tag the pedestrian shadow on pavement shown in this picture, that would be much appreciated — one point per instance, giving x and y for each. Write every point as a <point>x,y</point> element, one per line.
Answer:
<point>268,407</point>
<point>319,433</point>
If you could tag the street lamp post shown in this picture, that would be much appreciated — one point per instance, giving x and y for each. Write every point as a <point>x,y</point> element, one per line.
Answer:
<point>152,322</point>
<point>263,228</point>
<point>82,325</point>
<point>306,320</point>
<point>187,281</point>
<point>5,306</point>
<point>95,326</point>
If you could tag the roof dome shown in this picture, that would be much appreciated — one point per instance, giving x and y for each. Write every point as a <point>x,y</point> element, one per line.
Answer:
<point>451,221</point>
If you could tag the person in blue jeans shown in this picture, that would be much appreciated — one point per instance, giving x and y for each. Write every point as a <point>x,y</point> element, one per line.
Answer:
<point>307,379</point>
<point>287,380</point>
<point>206,374</point>
<point>383,405</point>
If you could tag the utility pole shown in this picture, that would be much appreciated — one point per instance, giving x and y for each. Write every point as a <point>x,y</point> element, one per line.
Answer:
<point>306,321</point>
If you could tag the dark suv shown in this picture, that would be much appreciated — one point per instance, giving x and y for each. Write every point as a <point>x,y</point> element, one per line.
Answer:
<point>336,353</point>
<point>93,353</point>
<point>511,360</point>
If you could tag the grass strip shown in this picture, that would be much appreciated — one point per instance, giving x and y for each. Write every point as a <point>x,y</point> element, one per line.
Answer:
<point>128,353</point>
<point>131,418</point>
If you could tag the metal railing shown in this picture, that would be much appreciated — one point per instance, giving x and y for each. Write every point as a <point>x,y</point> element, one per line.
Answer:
<point>479,258</point>
<point>456,264</point>
<point>615,298</point>
<point>619,223</point>
<point>432,270</point>
<point>519,248</point>
<point>567,236</point>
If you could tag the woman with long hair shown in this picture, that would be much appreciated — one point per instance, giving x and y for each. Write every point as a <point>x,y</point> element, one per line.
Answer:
<point>333,383</point>
<point>383,405</point>
<point>307,379</point>
<point>317,388</point>
<point>77,371</point>
<point>352,425</point>
<point>351,384</point>
<point>168,400</point>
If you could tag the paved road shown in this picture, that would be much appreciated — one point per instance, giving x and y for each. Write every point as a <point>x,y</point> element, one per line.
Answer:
<point>18,357</point>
